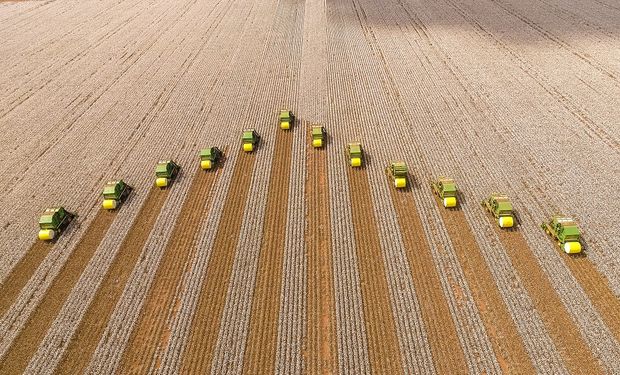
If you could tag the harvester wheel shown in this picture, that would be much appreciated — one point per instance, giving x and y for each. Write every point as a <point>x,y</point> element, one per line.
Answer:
<point>46,234</point>
<point>206,164</point>
<point>109,204</point>
<point>449,202</point>
<point>248,147</point>
<point>161,182</point>
<point>356,162</point>
<point>317,143</point>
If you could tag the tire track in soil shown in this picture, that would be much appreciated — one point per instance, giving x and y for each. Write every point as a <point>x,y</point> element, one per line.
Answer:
<point>262,340</point>
<point>383,347</point>
<point>597,288</point>
<point>21,273</point>
<point>198,354</point>
<point>320,349</point>
<point>577,356</point>
<point>25,345</point>
<point>77,356</point>
<point>152,330</point>
<point>448,355</point>
<point>507,343</point>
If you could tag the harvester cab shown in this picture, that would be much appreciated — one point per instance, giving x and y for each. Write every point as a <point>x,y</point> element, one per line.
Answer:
<point>398,172</point>
<point>114,193</point>
<point>209,157</point>
<point>355,154</point>
<point>52,222</point>
<point>445,188</point>
<point>565,231</point>
<point>166,171</point>
<point>249,139</point>
<point>287,119</point>
<point>318,136</point>
<point>500,207</point>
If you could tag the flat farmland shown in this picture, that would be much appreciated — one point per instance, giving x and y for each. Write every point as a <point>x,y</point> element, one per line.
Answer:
<point>287,259</point>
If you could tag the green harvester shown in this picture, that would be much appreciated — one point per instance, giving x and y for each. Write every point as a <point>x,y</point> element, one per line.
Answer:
<point>249,139</point>
<point>318,136</point>
<point>52,222</point>
<point>398,172</point>
<point>355,154</point>
<point>500,207</point>
<point>287,119</point>
<point>165,172</point>
<point>565,231</point>
<point>114,193</point>
<point>445,188</point>
<point>209,157</point>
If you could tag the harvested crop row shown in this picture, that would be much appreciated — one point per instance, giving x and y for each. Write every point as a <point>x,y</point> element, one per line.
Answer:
<point>443,339</point>
<point>261,342</point>
<point>320,346</point>
<point>16,358</point>
<point>508,345</point>
<point>198,352</point>
<point>564,331</point>
<point>21,273</point>
<point>383,348</point>
<point>151,331</point>
<point>597,288</point>
<point>85,339</point>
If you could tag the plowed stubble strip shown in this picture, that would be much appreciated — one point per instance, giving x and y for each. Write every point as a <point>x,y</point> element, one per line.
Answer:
<point>27,342</point>
<point>151,331</point>
<point>448,356</point>
<point>198,353</point>
<point>503,334</point>
<point>320,351</point>
<point>597,288</point>
<point>383,348</point>
<point>563,330</point>
<point>260,352</point>
<point>21,273</point>
<point>89,331</point>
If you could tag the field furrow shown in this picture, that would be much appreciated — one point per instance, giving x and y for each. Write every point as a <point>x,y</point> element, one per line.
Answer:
<point>151,331</point>
<point>85,339</point>
<point>21,273</point>
<point>198,352</point>
<point>383,347</point>
<point>23,347</point>
<point>440,328</point>
<point>507,342</point>
<point>320,350</point>
<point>261,342</point>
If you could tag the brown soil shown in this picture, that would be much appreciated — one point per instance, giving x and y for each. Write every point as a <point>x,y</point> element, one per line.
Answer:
<point>151,330</point>
<point>27,342</point>
<point>563,330</point>
<point>448,356</point>
<point>261,345</point>
<point>597,288</point>
<point>383,347</point>
<point>204,331</point>
<point>320,351</point>
<point>21,273</point>
<point>89,331</point>
<point>503,334</point>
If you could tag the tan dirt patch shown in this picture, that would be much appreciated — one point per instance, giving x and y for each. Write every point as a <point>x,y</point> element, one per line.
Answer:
<point>85,339</point>
<point>198,353</point>
<point>27,342</point>
<point>152,329</point>
<point>320,349</point>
